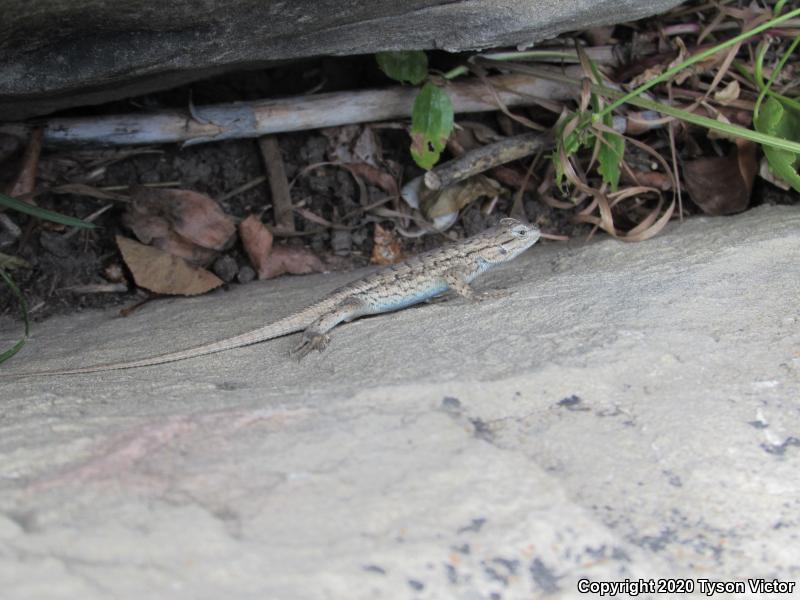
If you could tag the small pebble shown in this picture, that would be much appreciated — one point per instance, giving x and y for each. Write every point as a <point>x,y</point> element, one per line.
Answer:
<point>225,268</point>
<point>246,275</point>
<point>341,242</point>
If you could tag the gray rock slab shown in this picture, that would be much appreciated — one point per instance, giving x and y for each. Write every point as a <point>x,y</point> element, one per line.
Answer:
<point>61,53</point>
<point>628,411</point>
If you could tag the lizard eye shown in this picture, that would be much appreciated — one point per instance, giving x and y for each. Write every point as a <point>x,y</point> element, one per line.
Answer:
<point>520,231</point>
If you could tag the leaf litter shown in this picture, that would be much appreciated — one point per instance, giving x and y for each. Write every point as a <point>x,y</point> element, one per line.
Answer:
<point>346,181</point>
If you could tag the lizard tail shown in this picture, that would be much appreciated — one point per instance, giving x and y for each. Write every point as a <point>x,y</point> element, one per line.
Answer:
<point>274,330</point>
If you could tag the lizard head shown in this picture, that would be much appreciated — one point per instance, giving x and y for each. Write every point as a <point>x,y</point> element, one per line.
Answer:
<point>507,240</point>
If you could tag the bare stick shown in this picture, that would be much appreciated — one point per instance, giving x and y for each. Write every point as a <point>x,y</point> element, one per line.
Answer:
<point>484,158</point>
<point>278,183</point>
<point>264,117</point>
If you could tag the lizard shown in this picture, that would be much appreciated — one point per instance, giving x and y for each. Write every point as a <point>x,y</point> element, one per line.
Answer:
<point>452,267</point>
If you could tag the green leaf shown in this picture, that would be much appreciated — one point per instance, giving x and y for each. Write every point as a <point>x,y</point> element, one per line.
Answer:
<point>779,121</point>
<point>609,154</point>
<point>41,213</point>
<point>406,65</point>
<point>610,146</point>
<point>431,125</point>
<point>4,356</point>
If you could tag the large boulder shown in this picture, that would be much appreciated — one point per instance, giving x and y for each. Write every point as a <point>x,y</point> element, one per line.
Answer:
<point>61,53</point>
<point>627,411</point>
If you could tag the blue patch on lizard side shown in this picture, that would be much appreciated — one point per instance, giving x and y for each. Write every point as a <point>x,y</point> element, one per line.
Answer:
<point>415,298</point>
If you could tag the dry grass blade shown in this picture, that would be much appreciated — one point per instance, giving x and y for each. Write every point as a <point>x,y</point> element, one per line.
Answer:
<point>502,105</point>
<point>25,182</point>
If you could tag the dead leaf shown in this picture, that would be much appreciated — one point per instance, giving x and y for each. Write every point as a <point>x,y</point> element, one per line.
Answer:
<point>375,176</point>
<point>256,239</point>
<point>458,195</point>
<point>176,245</point>
<point>353,144</point>
<point>480,133</point>
<point>647,75</point>
<point>270,260</point>
<point>367,148</point>
<point>182,222</point>
<point>729,93</point>
<point>163,273</point>
<point>387,249</point>
<point>340,141</point>
<point>192,215</point>
<point>722,185</point>
<point>654,179</point>
<point>296,261</point>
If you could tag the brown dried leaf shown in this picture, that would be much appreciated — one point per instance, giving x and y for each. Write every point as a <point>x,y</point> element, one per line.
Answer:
<point>367,148</point>
<point>256,239</point>
<point>646,75</point>
<point>456,196</point>
<point>722,185</point>
<point>340,142</point>
<point>387,249</point>
<point>271,260</point>
<point>375,176</point>
<point>353,144</point>
<point>470,135</point>
<point>181,222</point>
<point>193,216</point>
<point>730,93</point>
<point>178,246</point>
<point>296,261</point>
<point>164,273</point>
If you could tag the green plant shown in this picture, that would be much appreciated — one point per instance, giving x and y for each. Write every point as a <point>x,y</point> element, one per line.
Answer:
<point>778,116</point>
<point>41,213</point>
<point>432,116</point>
<point>776,124</point>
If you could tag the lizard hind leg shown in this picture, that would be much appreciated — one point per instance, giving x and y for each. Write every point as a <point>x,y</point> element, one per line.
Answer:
<point>316,337</point>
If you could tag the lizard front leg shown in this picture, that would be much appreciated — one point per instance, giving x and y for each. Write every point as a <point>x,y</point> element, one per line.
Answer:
<point>457,281</point>
<point>316,337</point>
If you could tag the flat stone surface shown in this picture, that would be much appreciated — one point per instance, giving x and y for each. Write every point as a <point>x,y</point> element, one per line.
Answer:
<point>56,54</point>
<point>629,410</point>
